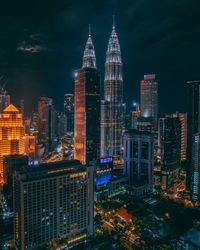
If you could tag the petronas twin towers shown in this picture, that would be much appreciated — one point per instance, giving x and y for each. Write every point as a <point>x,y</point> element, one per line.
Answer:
<point>111,107</point>
<point>110,120</point>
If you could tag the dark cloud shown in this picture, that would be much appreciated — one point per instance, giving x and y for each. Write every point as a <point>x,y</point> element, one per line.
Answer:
<point>42,42</point>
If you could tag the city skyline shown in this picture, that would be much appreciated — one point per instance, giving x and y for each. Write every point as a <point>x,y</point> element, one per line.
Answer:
<point>99,125</point>
<point>38,46</point>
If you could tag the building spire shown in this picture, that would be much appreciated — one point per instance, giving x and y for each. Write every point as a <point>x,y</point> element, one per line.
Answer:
<point>113,51</point>
<point>89,59</point>
<point>89,29</point>
<point>113,22</point>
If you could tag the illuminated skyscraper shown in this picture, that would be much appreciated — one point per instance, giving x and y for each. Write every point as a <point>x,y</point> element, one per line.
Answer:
<point>183,118</point>
<point>134,116</point>
<point>87,108</point>
<point>193,111</point>
<point>45,121</point>
<point>169,143</point>
<point>149,98</point>
<point>138,161</point>
<point>11,135</point>
<point>112,117</point>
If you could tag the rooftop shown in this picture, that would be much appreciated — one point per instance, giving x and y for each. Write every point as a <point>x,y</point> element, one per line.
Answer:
<point>11,109</point>
<point>52,168</point>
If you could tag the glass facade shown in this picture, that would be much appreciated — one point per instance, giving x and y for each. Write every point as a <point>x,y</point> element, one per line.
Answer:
<point>138,161</point>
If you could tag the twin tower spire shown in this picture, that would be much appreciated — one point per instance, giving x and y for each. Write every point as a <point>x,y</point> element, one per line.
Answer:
<point>89,58</point>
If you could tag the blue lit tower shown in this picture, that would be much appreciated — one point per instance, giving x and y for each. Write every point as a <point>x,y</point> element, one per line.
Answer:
<point>111,123</point>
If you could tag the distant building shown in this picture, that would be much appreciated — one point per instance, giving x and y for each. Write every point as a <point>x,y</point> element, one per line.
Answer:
<point>196,167</point>
<point>22,107</point>
<point>138,162</point>
<point>87,108</point>
<point>12,135</point>
<point>134,116</point>
<point>30,146</point>
<point>169,143</point>
<point>112,117</point>
<point>193,125</point>
<point>34,125</point>
<point>69,112</point>
<point>149,98</point>
<point>52,201</point>
<point>45,122</point>
<point>60,125</point>
<point>4,99</point>
<point>183,118</point>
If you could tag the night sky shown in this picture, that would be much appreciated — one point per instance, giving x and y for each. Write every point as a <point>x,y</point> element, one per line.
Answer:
<point>42,43</point>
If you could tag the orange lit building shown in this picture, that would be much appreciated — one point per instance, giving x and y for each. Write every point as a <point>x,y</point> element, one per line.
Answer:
<point>11,135</point>
<point>87,108</point>
<point>183,118</point>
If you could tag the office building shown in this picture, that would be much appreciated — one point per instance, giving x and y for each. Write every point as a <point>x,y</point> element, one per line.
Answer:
<point>183,119</point>
<point>112,118</point>
<point>45,122</point>
<point>193,125</point>
<point>149,98</point>
<point>134,116</point>
<point>11,135</point>
<point>138,162</point>
<point>52,201</point>
<point>169,144</point>
<point>87,108</point>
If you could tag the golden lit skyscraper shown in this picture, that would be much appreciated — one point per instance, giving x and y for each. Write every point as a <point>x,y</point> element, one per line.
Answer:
<point>11,135</point>
<point>87,108</point>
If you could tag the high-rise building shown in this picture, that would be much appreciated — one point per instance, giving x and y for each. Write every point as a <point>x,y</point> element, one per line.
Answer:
<point>69,112</point>
<point>45,121</point>
<point>149,98</point>
<point>134,116</point>
<point>169,144</point>
<point>138,161</point>
<point>22,107</point>
<point>112,118</point>
<point>196,167</point>
<point>193,125</point>
<point>87,108</point>
<point>60,125</point>
<point>52,201</point>
<point>4,99</point>
<point>183,118</point>
<point>11,135</point>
